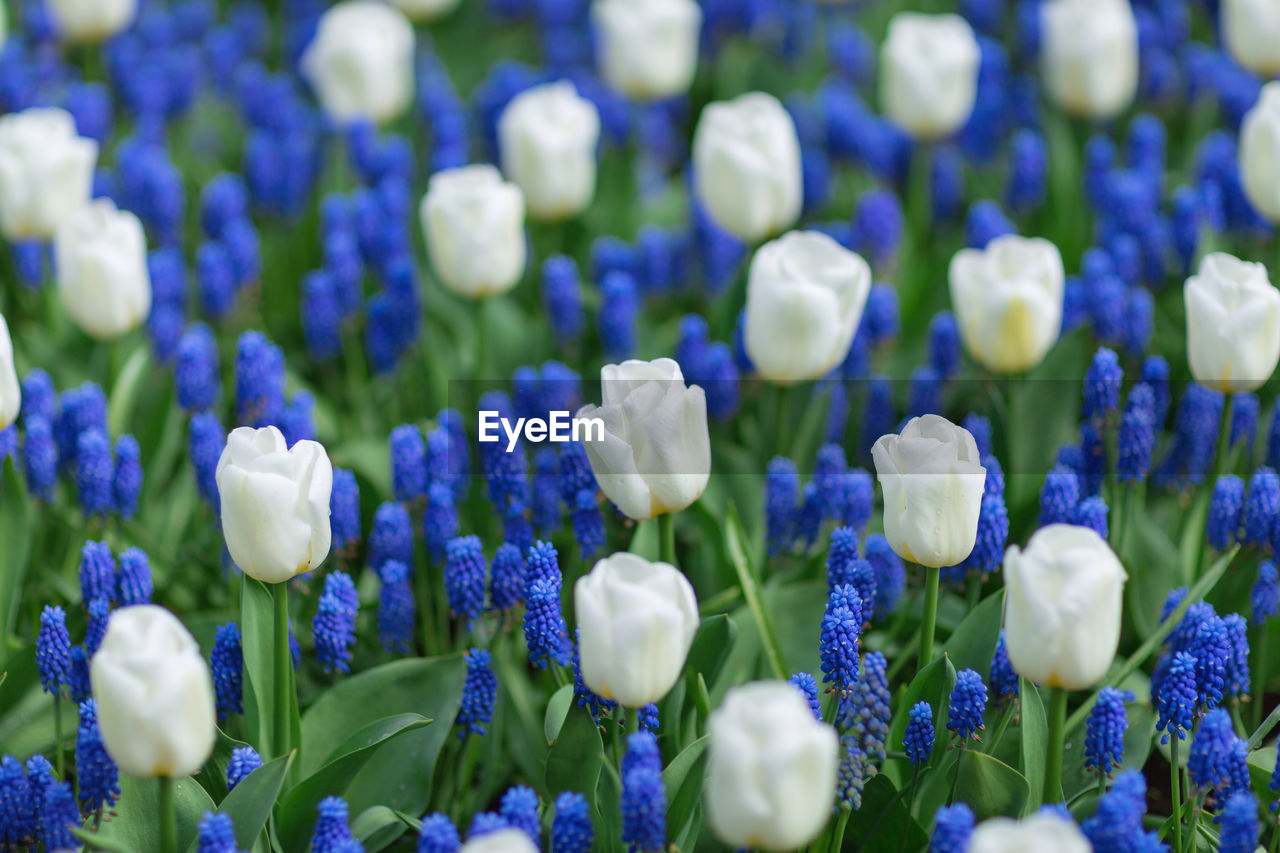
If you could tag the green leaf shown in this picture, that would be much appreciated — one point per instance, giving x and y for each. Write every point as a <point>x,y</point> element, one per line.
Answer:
<point>574,760</point>
<point>133,377</point>
<point>991,787</point>
<point>400,774</point>
<point>249,804</point>
<point>974,641</point>
<point>136,824</point>
<point>682,780</point>
<point>1034,730</point>
<point>557,710</point>
<point>933,685</point>
<point>884,822</point>
<point>257,640</point>
<point>298,811</point>
<point>378,827</point>
<point>735,541</point>
<point>711,646</point>
<point>16,516</point>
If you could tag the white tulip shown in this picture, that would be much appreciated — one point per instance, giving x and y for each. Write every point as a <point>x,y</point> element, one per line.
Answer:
<point>929,73</point>
<point>655,456</point>
<point>1062,606</point>
<point>1233,323</point>
<point>473,222</point>
<point>1089,55</point>
<point>647,48</point>
<point>805,296</point>
<point>1260,152</point>
<point>1039,833</point>
<point>932,483</point>
<point>90,21</point>
<point>10,388</point>
<point>1008,301</point>
<point>771,768</point>
<point>1251,30</point>
<point>502,841</point>
<point>425,10</point>
<point>746,163</point>
<point>547,139</point>
<point>100,254</point>
<point>360,62</point>
<point>636,622</point>
<point>154,694</point>
<point>46,172</point>
<point>275,503</point>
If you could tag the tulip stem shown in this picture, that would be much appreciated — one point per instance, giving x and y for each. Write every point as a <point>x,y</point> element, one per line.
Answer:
<point>60,760</point>
<point>1223,454</point>
<point>1054,748</point>
<point>930,616</point>
<point>837,837</point>
<point>667,537</point>
<point>168,817</point>
<point>283,675</point>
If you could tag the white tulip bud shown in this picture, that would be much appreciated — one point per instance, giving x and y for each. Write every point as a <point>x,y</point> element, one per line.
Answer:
<point>636,622</point>
<point>655,456</point>
<point>1040,833</point>
<point>771,768</point>
<point>1260,152</point>
<point>10,388</point>
<point>929,73</point>
<point>425,10</point>
<point>275,503</point>
<point>91,21</point>
<point>46,172</point>
<point>746,162</point>
<point>1008,301</point>
<point>1089,55</point>
<point>647,48</point>
<point>1062,606</point>
<point>154,694</point>
<point>101,257</point>
<point>502,841</point>
<point>360,62</point>
<point>1233,323</point>
<point>547,138</point>
<point>473,222</point>
<point>932,482</point>
<point>1251,31</point>
<point>805,297</point>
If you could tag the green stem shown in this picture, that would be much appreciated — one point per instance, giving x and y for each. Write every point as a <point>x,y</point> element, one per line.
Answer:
<point>1224,438</point>
<point>915,781</point>
<point>482,343</point>
<point>1054,747</point>
<point>1260,666</point>
<point>779,420</point>
<point>930,616</point>
<point>837,837</point>
<point>1176,792</point>
<point>1005,718</point>
<point>60,761</point>
<point>1195,827</point>
<point>168,817</point>
<point>464,778</point>
<point>283,674</point>
<point>667,537</point>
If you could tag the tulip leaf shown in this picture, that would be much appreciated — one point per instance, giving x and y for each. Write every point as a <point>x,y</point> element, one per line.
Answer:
<point>933,685</point>
<point>400,774</point>
<point>574,760</point>
<point>133,377</point>
<point>711,646</point>
<point>378,826</point>
<point>16,514</point>
<point>257,641</point>
<point>735,545</point>
<point>1151,558</point>
<point>884,819</point>
<point>1034,732</point>
<point>298,811</point>
<point>249,803</point>
<point>213,777</point>
<point>682,779</point>
<point>974,642</point>
<point>557,709</point>
<point>136,823</point>
<point>990,786</point>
